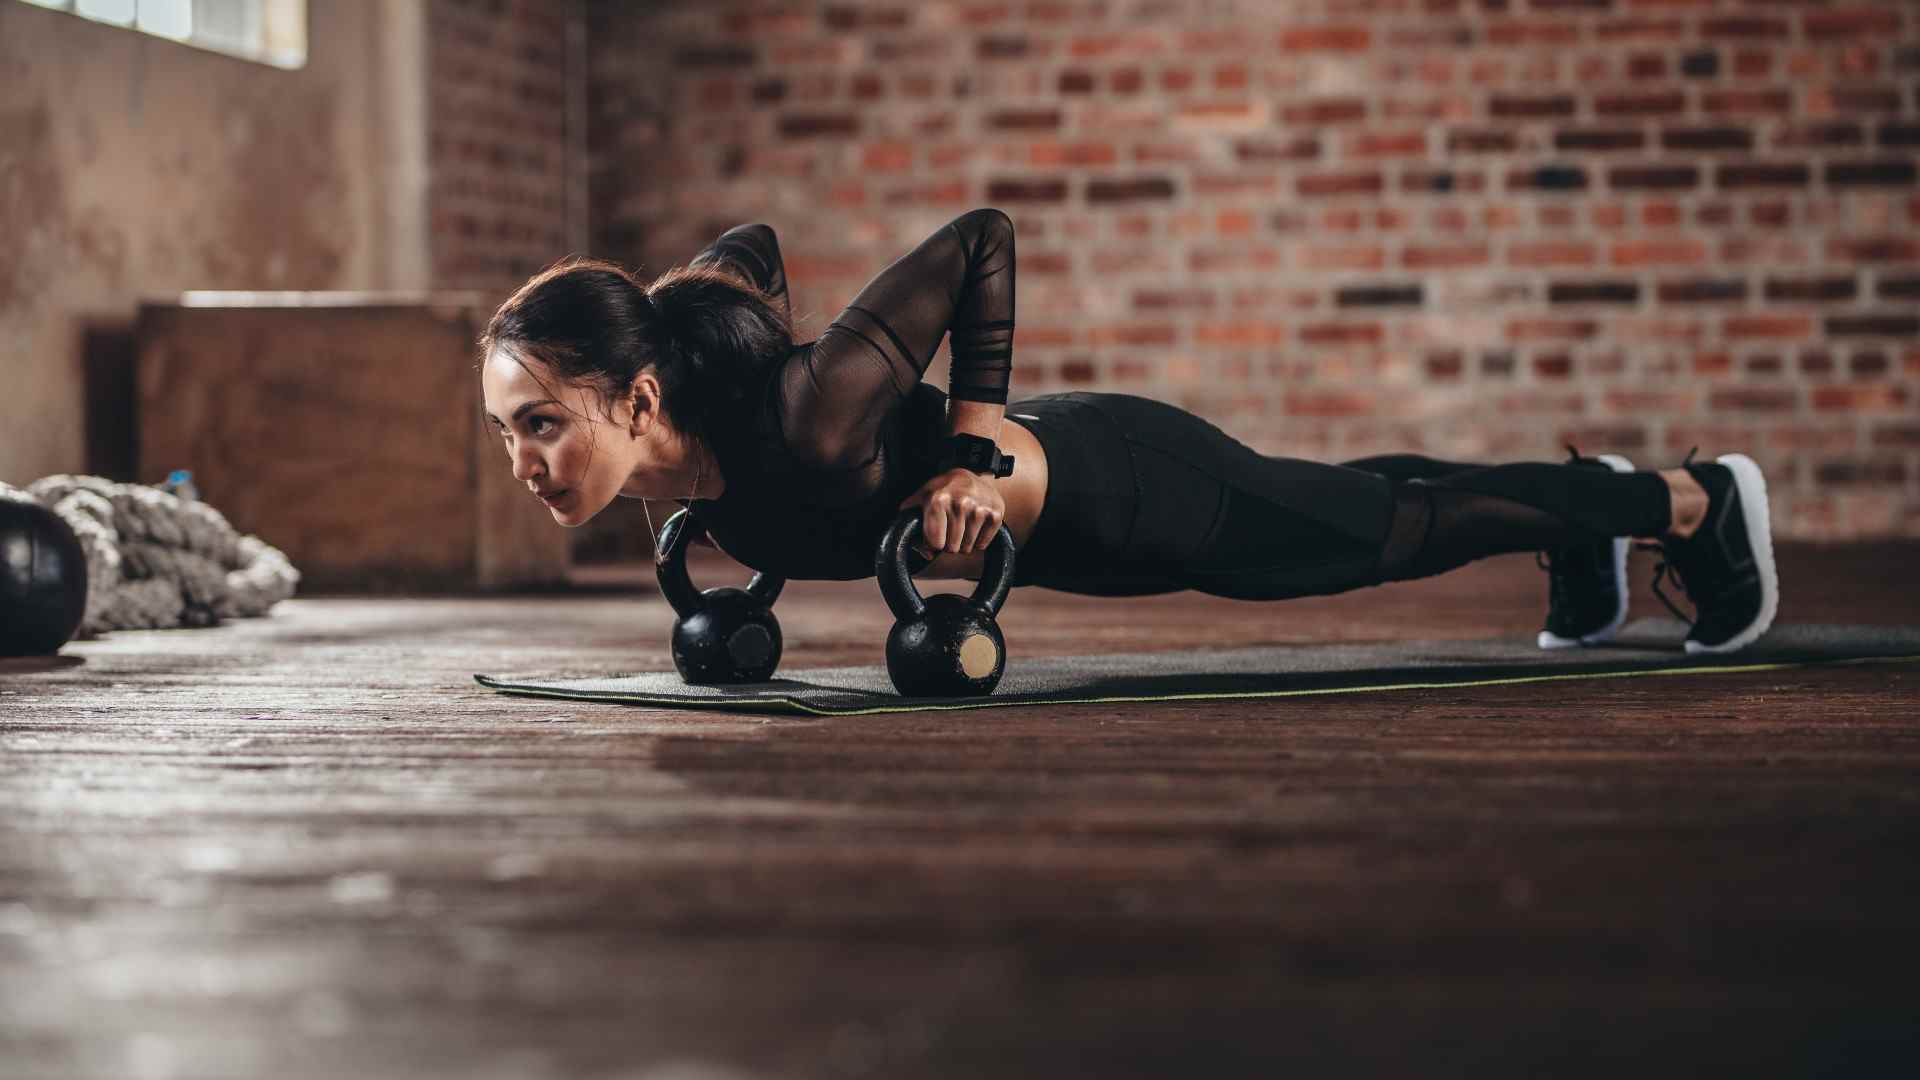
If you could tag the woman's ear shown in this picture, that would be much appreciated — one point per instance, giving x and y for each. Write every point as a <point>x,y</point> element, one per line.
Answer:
<point>643,397</point>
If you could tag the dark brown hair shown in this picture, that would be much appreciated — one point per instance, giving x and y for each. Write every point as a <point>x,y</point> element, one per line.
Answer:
<point>710,337</point>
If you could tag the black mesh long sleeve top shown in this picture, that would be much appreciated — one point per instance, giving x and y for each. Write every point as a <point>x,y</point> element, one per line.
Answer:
<point>845,428</point>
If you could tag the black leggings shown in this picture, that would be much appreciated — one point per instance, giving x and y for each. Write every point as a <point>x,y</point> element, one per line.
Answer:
<point>1144,497</point>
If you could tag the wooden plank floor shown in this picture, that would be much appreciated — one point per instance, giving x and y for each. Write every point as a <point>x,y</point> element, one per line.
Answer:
<point>310,846</point>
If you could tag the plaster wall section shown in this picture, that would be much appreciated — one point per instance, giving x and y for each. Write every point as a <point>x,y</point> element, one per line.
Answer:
<point>133,167</point>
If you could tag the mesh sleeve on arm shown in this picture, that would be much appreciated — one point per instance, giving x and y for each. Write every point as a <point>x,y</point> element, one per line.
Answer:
<point>835,397</point>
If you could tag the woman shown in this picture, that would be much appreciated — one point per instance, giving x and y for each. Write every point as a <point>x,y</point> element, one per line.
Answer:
<point>795,457</point>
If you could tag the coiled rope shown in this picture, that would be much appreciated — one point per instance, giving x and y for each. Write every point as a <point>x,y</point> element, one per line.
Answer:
<point>157,561</point>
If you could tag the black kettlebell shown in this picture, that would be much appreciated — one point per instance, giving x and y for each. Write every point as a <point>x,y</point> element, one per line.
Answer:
<point>43,580</point>
<point>946,645</point>
<point>723,635</point>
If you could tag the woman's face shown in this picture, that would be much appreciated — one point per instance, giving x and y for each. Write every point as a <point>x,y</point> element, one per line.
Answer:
<point>564,446</point>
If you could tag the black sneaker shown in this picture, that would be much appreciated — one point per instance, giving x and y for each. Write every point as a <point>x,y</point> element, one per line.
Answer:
<point>1726,567</point>
<point>1586,583</point>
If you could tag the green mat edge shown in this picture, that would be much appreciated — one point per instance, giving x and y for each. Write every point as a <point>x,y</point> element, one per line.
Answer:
<point>793,705</point>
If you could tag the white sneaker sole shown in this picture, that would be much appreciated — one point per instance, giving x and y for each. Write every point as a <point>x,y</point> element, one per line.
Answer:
<point>1550,640</point>
<point>1753,509</point>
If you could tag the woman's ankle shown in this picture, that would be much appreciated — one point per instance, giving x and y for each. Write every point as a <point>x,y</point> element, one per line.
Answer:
<point>1688,502</point>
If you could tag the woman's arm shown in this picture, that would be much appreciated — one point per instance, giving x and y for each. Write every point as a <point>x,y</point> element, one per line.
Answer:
<point>753,253</point>
<point>960,280</point>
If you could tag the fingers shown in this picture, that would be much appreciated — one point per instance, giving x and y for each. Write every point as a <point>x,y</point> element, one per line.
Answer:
<point>959,525</point>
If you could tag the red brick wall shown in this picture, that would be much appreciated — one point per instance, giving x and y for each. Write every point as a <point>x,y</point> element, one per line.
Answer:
<point>1477,230</point>
<point>506,139</point>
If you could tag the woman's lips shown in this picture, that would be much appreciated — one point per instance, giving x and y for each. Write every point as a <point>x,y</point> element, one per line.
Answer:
<point>554,499</point>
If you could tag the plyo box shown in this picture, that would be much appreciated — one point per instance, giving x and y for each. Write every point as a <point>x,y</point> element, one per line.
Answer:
<point>346,429</point>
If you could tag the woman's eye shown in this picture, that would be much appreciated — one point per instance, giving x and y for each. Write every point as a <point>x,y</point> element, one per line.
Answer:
<point>539,425</point>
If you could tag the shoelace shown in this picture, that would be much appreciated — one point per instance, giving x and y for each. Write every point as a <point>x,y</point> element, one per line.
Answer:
<point>1666,568</point>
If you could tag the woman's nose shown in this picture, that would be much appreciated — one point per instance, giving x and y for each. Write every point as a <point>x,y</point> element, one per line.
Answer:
<point>525,464</point>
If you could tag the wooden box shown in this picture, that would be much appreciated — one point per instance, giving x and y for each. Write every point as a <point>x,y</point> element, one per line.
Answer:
<point>346,429</point>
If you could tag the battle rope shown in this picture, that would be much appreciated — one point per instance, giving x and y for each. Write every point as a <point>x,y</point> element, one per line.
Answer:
<point>155,560</point>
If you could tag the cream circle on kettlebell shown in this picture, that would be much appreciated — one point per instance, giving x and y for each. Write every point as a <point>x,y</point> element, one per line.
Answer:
<point>977,656</point>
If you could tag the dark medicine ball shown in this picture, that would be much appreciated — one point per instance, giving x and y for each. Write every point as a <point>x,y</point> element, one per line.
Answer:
<point>43,580</point>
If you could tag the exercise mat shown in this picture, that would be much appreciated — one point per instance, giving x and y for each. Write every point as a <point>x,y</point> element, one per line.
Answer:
<point>1644,647</point>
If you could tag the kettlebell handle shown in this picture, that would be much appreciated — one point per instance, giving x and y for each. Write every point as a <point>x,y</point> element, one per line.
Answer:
<point>896,581</point>
<point>670,566</point>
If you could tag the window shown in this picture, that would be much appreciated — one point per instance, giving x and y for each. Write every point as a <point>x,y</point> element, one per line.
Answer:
<point>270,31</point>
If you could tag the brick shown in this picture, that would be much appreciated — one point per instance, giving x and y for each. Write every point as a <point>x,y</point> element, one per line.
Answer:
<point>1532,32</point>
<point>1702,291</point>
<point>1036,190</point>
<point>1438,257</point>
<point>1324,112</point>
<point>1874,249</point>
<point>1593,292</point>
<point>819,125</point>
<point>1103,191</point>
<point>1024,120</point>
<point>1335,259</point>
<point>1650,29</point>
<point>1445,366</point>
<point>1600,141</point>
<point>1318,39</point>
<point>1404,295</point>
<point>1852,23</point>
<point>1817,290</point>
<point>1695,140</point>
<point>1482,142</point>
<point>1660,253</point>
<point>1898,288</point>
<point>1571,253</point>
<point>1531,107</point>
<point>1657,103</point>
<point>1653,177</point>
<point>1869,365</point>
<point>1750,27</point>
<point>1746,102</point>
<point>1872,398</point>
<point>1548,178</point>
<point>1887,325</point>
<point>1553,366</point>
<point>1898,135</point>
<point>1768,327</point>
<point>1897,437</point>
<point>1240,335</point>
<point>887,156</point>
<point>1701,64</point>
<point>1764,399</point>
<point>1743,177</point>
<point>1821,100</point>
<point>1161,300</point>
<point>1819,137</point>
<point>1329,403</point>
<point>1076,82</point>
<point>1419,181</point>
<point>1131,334</point>
<point>1526,330</point>
<point>1003,47</point>
<point>1883,473</point>
<point>1342,334</point>
<point>716,55</point>
<point>1262,151</point>
<point>1325,185</point>
<point>1388,145</point>
<point>1871,173</point>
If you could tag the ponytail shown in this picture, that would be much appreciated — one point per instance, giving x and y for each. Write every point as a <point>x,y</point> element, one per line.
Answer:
<point>710,338</point>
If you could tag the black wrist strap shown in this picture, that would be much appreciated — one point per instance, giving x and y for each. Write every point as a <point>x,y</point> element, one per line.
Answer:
<point>974,454</point>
